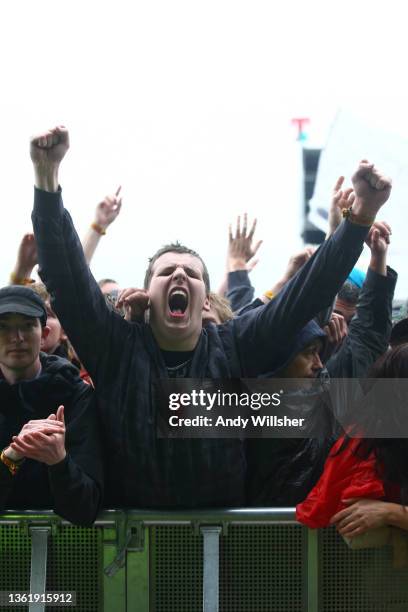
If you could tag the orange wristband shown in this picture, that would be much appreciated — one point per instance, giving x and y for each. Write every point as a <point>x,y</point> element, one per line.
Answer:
<point>13,466</point>
<point>98,229</point>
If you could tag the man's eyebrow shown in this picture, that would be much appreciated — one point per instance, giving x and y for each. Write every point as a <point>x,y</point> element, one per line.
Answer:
<point>173,266</point>
<point>163,267</point>
<point>191,269</point>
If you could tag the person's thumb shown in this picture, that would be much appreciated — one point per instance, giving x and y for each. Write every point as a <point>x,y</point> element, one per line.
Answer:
<point>60,414</point>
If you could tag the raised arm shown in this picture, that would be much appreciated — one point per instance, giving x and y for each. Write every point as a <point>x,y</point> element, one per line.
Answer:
<point>26,260</point>
<point>95,331</point>
<point>241,278</point>
<point>370,328</point>
<point>341,199</point>
<point>106,212</point>
<point>295,263</point>
<point>263,334</point>
<point>237,287</point>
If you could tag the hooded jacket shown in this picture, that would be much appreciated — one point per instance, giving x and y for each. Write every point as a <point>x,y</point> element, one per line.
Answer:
<point>125,362</point>
<point>73,487</point>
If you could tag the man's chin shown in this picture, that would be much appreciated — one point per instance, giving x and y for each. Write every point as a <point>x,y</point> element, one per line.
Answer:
<point>172,334</point>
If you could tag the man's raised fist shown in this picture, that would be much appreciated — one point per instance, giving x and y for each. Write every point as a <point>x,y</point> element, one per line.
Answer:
<point>372,189</point>
<point>49,148</point>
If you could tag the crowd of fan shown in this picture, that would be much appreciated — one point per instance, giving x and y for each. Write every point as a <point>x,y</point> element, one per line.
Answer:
<point>79,363</point>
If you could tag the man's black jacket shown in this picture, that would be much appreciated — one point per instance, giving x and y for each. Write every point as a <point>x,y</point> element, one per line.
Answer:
<point>73,487</point>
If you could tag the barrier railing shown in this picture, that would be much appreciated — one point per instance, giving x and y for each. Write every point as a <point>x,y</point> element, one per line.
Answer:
<point>238,560</point>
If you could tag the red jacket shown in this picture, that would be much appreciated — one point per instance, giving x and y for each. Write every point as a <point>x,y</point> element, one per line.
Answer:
<point>345,476</point>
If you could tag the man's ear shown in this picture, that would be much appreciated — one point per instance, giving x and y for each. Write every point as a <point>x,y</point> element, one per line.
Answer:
<point>44,333</point>
<point>207,305</point>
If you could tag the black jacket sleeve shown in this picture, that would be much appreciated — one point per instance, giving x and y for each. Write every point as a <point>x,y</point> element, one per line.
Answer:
<point>6,484</point>
<point>369,330</point>
<point>262,334</point>
<point>240,291</point>
<point>93,328</point>
<point>76,483</point>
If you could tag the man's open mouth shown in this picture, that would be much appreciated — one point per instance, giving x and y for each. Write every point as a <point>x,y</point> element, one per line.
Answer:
<point>178,302</point>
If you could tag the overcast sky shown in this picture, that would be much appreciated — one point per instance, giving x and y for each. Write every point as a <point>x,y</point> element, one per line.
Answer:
<point>187,105</point>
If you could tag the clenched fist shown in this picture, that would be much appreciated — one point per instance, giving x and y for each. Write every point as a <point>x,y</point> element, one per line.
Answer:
<point>50,146</point>
<point>372,189</point>
<point>47,150</point>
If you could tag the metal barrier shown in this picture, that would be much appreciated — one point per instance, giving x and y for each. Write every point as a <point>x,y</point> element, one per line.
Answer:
<point>246,560</point>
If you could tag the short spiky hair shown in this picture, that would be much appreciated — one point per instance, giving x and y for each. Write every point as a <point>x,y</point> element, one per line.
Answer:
<point>175,247</point>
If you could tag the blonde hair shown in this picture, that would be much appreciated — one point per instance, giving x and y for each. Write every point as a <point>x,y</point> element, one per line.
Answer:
<point>41,290</point>
<point>221,306</point>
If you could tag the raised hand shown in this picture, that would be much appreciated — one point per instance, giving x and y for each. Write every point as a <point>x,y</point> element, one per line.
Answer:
<point>42,439</point>
<point>241,250</point>
<point>49,148</point>
<point>336,329</point>
<point>378,238</point>
<point>297,261</point>
<point>341,198</point>
<point>26,259</point>
<point>372,189</point>
<point>107,210</point>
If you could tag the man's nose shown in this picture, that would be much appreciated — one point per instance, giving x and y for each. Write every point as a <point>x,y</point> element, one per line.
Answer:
<point>317,362</point>
<point>179,274</point>
<point>17,334</point>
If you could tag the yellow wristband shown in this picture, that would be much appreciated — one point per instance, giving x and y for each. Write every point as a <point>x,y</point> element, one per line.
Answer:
<point>15,280</point>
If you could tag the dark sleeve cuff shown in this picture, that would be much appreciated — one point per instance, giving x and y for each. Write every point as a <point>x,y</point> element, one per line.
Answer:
<point>239,278</point>
<point>373,280</point>
<point>351,232</point>
<point>61,468</point>
<point>48,203</point>
<point>5,474</point>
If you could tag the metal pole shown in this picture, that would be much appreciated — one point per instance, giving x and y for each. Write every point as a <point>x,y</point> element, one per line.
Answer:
<point>312,569</point>
<point>211,536</point>
<point>38,577</point>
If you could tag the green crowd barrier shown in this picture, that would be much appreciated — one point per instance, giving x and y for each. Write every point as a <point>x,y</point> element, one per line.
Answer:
<point>237,560</point>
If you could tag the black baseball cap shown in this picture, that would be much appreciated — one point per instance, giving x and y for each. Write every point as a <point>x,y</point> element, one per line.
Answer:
<point>22,300</point>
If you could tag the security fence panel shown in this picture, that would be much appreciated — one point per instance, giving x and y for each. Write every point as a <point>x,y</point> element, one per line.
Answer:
<point>243,560</point>
<point>361,580</point>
